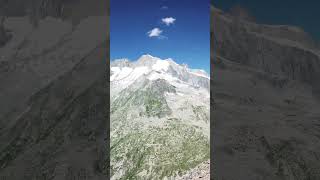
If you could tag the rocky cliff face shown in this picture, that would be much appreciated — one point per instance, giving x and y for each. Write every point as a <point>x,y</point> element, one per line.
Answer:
<point>265,103</point>
<point>53,119</point>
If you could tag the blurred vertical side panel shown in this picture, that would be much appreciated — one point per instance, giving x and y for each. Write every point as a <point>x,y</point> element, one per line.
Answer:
<point>54,93</point>
<point>159,89</point>
<point>265,87</point>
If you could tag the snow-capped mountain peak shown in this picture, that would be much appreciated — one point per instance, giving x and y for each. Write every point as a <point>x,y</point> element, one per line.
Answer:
<point>124,62</point>
<point>146,60</point>
<point>200,72</point>
<point>125,72</point>
<point>161,65</point>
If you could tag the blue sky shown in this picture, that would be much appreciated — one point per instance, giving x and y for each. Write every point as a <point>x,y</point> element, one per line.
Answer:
<point>163,28</point>
<point>304,14</point>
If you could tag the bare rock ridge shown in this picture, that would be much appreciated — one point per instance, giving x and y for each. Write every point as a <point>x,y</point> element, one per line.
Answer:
<point>53,119</point>
<point>265,102</point>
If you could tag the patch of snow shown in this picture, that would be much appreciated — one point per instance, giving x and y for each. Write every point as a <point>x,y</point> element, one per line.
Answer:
<point>161,65</point>
<point>199,72</point>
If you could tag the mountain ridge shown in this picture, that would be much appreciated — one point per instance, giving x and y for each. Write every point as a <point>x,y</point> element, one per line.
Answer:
<point>146,58</point>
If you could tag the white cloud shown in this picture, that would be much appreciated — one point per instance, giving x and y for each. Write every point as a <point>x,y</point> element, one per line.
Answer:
<point>168,20</point>
<point>155,32</point>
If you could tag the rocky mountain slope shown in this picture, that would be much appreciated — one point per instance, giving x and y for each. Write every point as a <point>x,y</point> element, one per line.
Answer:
<point>265,94</point>
<point>53,120</point>
<point>202,171</point>
<point>159,118</point>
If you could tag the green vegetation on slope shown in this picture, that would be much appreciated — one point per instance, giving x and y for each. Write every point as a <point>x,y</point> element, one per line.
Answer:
<point>201,113</point>
<point>160,149</point>
<point>158,152</point>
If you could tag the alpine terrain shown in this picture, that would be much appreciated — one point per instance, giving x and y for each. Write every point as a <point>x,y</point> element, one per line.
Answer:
<point>160,124</point>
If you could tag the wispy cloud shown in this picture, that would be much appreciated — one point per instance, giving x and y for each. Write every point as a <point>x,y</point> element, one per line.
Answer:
<point>155,32</point>
<point>168,20</point>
